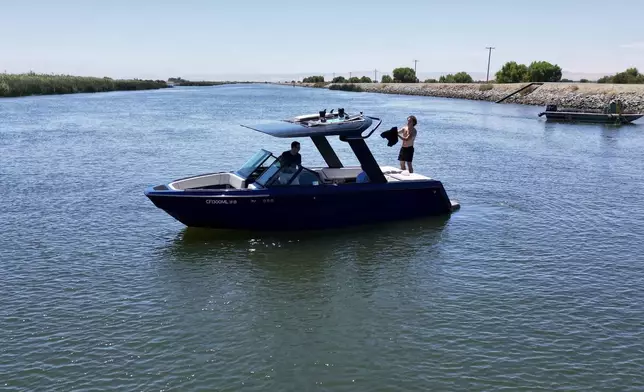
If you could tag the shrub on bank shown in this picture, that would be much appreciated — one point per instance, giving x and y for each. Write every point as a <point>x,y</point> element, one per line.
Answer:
<point>346,87</point>
<point>630,76</point>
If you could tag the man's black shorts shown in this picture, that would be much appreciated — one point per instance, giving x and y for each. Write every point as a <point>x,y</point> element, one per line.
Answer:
<point>406,154</point>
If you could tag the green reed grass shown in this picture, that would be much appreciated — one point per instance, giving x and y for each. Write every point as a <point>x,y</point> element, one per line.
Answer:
<point>20,85</point>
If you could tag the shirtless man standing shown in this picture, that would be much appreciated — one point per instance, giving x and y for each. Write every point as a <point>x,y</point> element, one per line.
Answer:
<point>407,134</point>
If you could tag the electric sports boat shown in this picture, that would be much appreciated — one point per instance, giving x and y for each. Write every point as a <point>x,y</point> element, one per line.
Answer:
<point>263,194</point>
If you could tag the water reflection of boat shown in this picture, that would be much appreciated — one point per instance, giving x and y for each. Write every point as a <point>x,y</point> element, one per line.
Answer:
<point>266,195</point>
<point>196,236</point>
<point>611,114</point>
<point>368,244</point>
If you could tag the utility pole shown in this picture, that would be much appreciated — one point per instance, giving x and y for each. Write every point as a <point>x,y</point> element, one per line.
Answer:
<point>415,61</point>
<point>489,48</point>
<point>349,75</point>
<point>375,75</point>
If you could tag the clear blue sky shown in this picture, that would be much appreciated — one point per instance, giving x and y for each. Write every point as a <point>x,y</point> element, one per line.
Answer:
<point>161,38</point>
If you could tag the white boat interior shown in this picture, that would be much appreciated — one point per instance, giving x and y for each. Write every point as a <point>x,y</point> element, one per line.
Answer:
<point>344,175</point>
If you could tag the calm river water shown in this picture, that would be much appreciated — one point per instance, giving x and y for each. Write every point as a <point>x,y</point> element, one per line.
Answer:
<point>536,283</point>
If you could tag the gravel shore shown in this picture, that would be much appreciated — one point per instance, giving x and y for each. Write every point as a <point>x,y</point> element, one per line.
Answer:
<point>569,95</point>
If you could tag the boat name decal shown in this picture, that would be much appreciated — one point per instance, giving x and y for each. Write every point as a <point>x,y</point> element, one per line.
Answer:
<point>220,201</point>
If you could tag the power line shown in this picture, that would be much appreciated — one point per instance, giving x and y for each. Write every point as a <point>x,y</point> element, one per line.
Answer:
<point>489,48</point>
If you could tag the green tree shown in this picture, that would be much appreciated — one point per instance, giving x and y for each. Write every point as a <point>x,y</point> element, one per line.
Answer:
<point>354,79</point>
<point>511,72</point>
<point>583,80</point>
<point>339,79</point>
<point>461,77</point>
<point>313,79</point>
<point>543,71</point>
<point>405,75</point>
<point>431,81</point>
<point>365,79</point>
<point>386,79</point>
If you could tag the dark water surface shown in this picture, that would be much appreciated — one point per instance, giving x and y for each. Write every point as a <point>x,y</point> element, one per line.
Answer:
<point>536,283</point>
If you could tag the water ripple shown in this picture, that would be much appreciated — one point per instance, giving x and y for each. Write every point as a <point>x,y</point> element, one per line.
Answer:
<point>535,284</point>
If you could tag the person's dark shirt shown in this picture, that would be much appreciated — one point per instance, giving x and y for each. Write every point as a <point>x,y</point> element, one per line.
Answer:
<point>288,159</point>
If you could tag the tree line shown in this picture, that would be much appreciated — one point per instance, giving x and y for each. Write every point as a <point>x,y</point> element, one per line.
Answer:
<point>510,72</point>
<point>400,75</point>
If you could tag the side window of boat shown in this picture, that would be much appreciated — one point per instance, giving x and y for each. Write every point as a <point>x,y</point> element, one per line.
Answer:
<point>303,177</point>
<point>283,177</point>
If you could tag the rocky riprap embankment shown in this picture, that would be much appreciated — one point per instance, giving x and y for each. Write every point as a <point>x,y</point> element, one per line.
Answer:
<point>568,95</point>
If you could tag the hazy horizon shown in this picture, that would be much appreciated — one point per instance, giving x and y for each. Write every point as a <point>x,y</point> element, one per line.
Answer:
<point>289,39</point>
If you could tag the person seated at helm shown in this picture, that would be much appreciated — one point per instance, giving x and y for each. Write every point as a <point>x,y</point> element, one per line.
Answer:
<point>290,161</point>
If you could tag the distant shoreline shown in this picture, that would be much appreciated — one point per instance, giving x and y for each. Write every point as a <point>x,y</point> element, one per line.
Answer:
<point>569,95</point>
<point>22,85</point>
<point>32,84</point>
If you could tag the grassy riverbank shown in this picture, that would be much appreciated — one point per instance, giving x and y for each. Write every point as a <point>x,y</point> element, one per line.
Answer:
<point>20,85</point>
<point>570,95</point>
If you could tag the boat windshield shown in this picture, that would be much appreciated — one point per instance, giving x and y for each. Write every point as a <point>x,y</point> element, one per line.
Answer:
<point>278,175</point>
<point>253,163</point>
<point>267,176</point>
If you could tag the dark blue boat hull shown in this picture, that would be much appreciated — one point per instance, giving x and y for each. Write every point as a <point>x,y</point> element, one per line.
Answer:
<point>303,207</point>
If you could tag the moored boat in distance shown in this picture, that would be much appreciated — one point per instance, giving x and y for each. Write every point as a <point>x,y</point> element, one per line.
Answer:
<point>265,194</point>
<point>611,114</point>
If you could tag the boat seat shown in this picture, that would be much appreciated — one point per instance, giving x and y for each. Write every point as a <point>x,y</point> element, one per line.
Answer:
<point>307,178</point>
<point>340,173</point>
<point>236,181</point>
<point>231,179</point>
